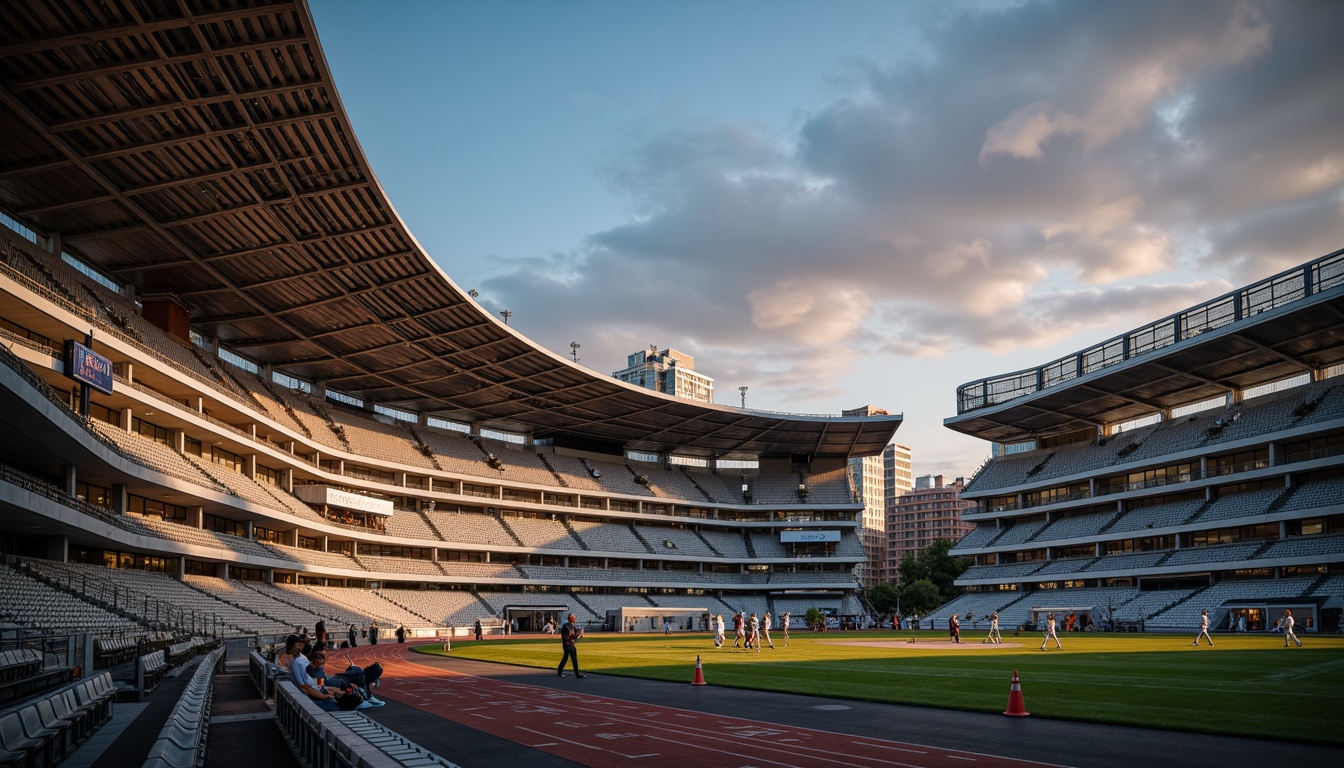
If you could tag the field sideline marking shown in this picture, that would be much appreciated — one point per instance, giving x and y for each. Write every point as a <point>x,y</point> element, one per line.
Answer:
<point>1324,666</point>
<point>1122,681</point>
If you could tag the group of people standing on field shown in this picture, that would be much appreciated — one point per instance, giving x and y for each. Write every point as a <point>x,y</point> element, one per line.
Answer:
<point>1286,625</point>
<point>749,631</point>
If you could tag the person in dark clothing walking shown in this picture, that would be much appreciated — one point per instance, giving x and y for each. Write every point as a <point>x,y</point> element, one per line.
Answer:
<point>570,633</point>
<point>350,637</point>
<point>478,629</point>
<point>373,633</point>
<point>401,633</point>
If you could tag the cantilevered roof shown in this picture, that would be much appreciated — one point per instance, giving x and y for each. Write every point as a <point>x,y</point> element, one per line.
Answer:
<point>198,149</point>
<point>1283,326</point>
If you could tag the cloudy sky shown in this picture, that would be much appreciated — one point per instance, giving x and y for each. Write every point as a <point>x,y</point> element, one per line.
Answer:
<point>846,203</point>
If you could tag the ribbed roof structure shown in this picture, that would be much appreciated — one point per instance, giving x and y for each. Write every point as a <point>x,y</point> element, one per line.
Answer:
<point>198,149</point>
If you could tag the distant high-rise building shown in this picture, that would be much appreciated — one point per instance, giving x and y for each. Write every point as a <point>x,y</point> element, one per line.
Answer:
<point>870,482</point>
<point>898,477</point>
<point>669,371</point>
<point>930,511</point>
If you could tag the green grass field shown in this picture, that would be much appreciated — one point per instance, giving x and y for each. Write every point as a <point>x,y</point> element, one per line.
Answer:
<point>1246,686</point>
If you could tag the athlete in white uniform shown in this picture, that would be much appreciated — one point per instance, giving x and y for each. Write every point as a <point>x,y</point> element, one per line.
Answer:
<point>765,632</point>
<point>1288,633</point>
<point>718,631</point>
<point>1050,632</point>
<point>994,636</point>
<point>1203,628</point>
<point>784,622</point>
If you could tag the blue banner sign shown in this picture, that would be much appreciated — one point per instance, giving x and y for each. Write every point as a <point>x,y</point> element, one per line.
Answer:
<point>88,367</point>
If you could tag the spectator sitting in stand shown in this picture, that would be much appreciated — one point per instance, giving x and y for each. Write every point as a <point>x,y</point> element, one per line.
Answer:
<point>293,648</point>
<point>353,677</point>
<point>302,670</point>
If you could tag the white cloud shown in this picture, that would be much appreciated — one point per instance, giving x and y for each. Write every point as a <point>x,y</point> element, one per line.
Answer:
<point>893,222</point>
<point>1122,99</point>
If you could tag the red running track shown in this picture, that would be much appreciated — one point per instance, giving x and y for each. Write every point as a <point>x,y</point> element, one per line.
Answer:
<point>598,730</point>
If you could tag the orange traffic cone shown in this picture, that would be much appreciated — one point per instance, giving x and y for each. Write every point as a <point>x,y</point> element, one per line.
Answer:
<point>1016,706</point>
<point>699,678</point>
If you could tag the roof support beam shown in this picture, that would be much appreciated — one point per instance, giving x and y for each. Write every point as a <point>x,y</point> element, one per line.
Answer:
<point>66,205</point>
<point>149,62</point>
<point>136,28</point>
<point>76,124</point>
<point>39,165</point>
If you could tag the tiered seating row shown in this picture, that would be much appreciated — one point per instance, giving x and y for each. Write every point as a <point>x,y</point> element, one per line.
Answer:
<point>31,603</point>
<point>1204,429</point>
<point>1181,614</point>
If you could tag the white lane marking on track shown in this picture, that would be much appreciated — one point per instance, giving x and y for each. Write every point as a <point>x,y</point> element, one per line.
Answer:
<point>733,751</point>
<point>587,746</point>
<point>734,739</point>
<point>879,745</point>
<point>488,688</point>
<point>959,757</point>
<point>688,717</point>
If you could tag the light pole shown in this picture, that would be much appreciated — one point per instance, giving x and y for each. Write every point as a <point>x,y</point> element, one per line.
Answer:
<point>743,392</point>
<point>574,350</point>
<point>506,314</point>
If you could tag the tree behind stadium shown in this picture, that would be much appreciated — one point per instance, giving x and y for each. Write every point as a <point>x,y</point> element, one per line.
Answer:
<point>935,565</point>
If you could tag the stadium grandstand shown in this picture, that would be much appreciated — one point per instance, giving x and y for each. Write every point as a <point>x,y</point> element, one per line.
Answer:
<point>1196,463</point>
<point>238,397</point>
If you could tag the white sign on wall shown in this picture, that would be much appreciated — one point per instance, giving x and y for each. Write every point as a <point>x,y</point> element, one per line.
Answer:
<point>333,497</point>
<point>798,537</point>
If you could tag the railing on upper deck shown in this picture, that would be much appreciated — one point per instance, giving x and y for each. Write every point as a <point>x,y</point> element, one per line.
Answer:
<point>1285,288</point>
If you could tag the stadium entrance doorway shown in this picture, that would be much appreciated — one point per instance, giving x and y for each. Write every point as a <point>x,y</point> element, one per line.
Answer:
<point>647,618</point>
<point>1069,618</point>
<point>533,618</point>
<point>1313,614</point>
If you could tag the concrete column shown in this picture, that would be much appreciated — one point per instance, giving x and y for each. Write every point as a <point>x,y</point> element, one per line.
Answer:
<point>251,530</point>
<point>58,548</point>
<point>181,570</point>
<point>196,517</point>
<point>126,418</point>
<point>250,465</point>
<point>224,571</point>
<point>68,480</point>
<point>287,479</point>
<point>401,479</point>
<point>178,439</point>
<point>121,500</point>
<point>322,541</point>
